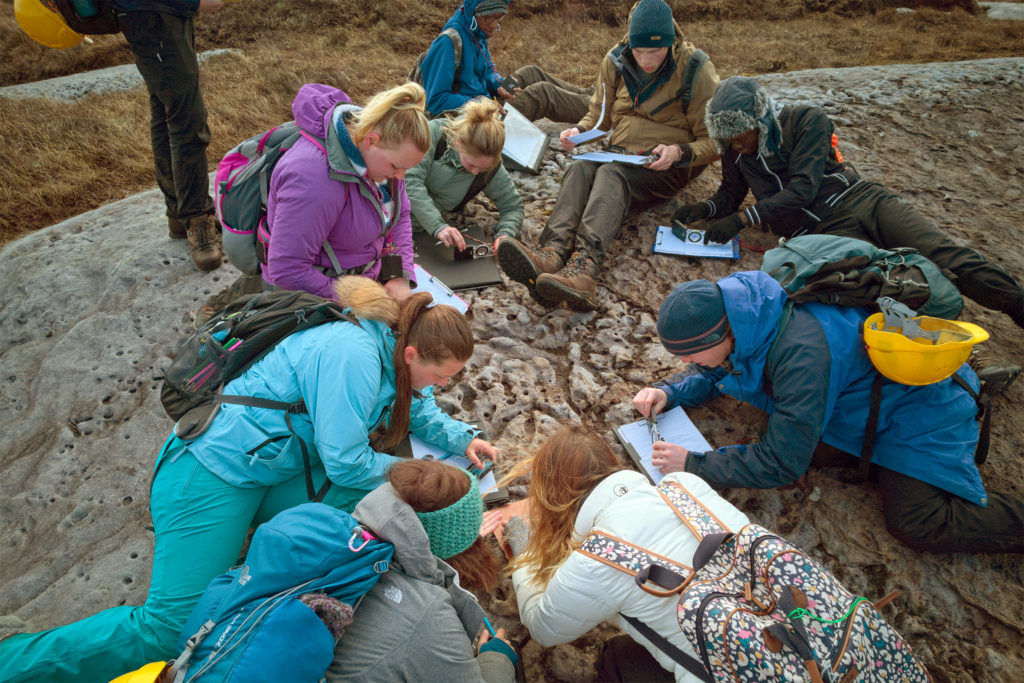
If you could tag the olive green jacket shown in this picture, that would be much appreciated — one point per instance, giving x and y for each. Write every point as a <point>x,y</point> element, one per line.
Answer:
<point>437,186</point>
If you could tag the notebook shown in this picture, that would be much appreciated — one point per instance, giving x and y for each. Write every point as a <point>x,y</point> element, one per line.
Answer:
<point>675,427</point>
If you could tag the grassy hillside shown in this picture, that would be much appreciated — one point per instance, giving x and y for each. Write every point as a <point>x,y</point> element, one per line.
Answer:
<point>60,159</point>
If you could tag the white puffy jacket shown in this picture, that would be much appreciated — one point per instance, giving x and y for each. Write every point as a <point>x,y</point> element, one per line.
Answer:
<point>583,592</point>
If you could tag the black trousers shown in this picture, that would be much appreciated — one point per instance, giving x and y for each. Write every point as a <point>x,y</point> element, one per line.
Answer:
<point>929,519</point>
<point>623,659</point>
<point>874,213</point>
<point>164,47</point>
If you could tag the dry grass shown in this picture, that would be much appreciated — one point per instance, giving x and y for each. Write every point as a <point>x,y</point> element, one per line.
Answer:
<point>58,159</point>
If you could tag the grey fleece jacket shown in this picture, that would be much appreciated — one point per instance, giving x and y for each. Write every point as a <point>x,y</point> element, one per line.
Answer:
<point>416,624</point>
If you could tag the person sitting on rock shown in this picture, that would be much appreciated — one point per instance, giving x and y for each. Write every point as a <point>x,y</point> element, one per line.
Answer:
<point>787,156</point>
<point>642,91</point>
<point>464,159</point>
<point>337,203</point>
<point>366,384</point>
<point>809,370</point>
<point>450,85</point>
<point>578,487</point>
<point>418,622</point>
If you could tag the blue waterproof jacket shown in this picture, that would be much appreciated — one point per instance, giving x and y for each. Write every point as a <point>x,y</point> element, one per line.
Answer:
<point>344,373</point>
<point>816,385</point>
<point>478,75</point>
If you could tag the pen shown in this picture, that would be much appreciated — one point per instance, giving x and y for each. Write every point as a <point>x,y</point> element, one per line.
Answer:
<point>652,427</point>
<point>490,628</point>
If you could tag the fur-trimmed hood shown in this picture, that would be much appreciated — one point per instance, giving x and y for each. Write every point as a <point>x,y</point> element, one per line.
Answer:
<point>741,104</point>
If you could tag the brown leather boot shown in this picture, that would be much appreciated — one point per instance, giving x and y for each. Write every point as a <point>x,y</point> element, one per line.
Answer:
<point>525,264</point>
<point>204,242</point>
<point>575,284</point>
<point>176,230</point>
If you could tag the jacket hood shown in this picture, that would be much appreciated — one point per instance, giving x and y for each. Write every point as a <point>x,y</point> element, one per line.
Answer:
<point>753,304</point>
<point>392,520</point>
<point>462,21</point>
<point>741,104</point>
<point>312,105</point>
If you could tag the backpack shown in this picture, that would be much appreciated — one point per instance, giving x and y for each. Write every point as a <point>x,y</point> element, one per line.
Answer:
<point>226,345</point>
<point>416,72</point>
<point>850,272</point>
<point>91,17</point>
<point>756,608</point>
<point>250,623</point>
<point>240,190</point>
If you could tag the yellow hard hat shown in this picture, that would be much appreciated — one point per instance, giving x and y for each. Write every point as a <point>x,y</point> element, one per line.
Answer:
<point>147,674</point>
<point>44,25</point>
<point>917,350</point>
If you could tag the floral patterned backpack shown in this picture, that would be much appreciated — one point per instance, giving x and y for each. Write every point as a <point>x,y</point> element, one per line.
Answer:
<point>757,608</point>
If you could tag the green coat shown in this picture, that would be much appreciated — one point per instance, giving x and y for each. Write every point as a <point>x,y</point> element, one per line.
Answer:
<point>435,187</point>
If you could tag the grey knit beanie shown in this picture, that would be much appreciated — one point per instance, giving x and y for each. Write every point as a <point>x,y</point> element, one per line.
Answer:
<point>651,25</point>
<point>692,318</point>
<point>453,529</point>
<point>488,7</point>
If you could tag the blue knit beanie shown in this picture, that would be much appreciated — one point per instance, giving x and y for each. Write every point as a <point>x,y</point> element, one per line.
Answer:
<point>453,529</point>
<point>651,25</point>
<point>692,318</point>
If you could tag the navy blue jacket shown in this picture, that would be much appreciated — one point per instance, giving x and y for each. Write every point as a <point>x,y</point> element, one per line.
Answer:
<point>816,385</point>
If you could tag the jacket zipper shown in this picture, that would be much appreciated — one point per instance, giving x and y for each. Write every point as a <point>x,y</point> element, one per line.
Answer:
<point>704,657</point>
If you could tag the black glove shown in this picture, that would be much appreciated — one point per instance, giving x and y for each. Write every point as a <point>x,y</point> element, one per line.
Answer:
<point>688,213</point>
<point>723,230</point>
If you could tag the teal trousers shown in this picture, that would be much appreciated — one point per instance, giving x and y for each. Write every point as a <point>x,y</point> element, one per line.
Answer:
<point>201,523</point>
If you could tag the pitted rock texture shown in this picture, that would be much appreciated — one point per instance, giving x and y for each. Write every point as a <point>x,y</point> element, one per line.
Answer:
<point>91,310</point>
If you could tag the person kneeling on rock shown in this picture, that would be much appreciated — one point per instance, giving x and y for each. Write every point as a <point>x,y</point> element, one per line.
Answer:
<point>810,371</point>
<point>641,91</point>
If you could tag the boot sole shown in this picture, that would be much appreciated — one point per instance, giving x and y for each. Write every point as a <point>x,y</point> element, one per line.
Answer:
<point>519,267</point>
<point>553,290</point>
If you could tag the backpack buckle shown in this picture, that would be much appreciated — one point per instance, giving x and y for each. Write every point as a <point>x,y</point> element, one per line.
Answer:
<point>380,566</point>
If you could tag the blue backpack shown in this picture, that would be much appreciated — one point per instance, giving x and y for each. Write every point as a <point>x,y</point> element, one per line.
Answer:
<point>250,625</point>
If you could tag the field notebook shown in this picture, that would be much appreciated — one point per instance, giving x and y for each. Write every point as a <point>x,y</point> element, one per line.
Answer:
<point>439,261</point>
<point>525,143</point>
<point>675,427</point>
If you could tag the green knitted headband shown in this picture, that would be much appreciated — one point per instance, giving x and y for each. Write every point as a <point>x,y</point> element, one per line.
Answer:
<point>453,529</point>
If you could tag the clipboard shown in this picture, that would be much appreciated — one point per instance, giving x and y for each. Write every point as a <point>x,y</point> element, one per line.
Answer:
<point>675,427</point>
<point>665,242</point>
<point>413,447</point>
<point>425,282</point>
<point>525,143</point>
<point>440,261</point>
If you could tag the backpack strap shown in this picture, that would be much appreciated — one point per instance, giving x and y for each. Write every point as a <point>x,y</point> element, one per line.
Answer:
<point>867,449</point>
<point>685,92</point>
<point>480,181</point>
<point>694,514</point>
<point>984,401</point>
<point>638,562</point>
<point>456,39</point>
<point>659,641</point>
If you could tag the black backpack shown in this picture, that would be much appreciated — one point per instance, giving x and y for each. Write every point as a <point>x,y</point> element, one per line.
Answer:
<point>226,345</point>
<point>92,17</point>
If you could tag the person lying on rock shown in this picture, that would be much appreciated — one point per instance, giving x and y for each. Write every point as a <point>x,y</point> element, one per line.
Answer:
<point>366,384</point>
<point>418,622</point>
<point>577,487</point>
<point>809,370</point>
<point>337,203</point>
<point>642,89</point>
<point>464,158</point>
<point>450,83</point>
<point>787,156</point>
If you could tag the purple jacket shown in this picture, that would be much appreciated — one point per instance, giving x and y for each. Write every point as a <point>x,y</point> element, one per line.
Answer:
<point>316,194</point>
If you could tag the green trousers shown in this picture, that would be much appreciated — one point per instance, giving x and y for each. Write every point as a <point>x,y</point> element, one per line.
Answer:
<point>545,97</point>
<point>200,523</point>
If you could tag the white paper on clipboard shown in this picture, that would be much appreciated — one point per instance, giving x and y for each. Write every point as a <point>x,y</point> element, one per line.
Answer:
<point>675,427</point>
<point>665,242</point>
<point>422,450</point>
<point>425,282</point>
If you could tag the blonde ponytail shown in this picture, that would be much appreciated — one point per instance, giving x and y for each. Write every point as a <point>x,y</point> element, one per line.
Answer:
<point>397,115</point>
<point>366,298</point>
<point>478,131</point>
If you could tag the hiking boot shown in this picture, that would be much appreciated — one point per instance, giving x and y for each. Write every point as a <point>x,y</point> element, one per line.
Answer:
<point>176,230</point>
<point>204,242</point>
<point>525,264</point>
<point>575,284</point>
<point>996,375</point>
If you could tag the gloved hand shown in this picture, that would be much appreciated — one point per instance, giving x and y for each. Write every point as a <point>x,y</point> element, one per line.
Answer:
<point>517,534</point>
<point>692,212</point>
<point>723,230</point>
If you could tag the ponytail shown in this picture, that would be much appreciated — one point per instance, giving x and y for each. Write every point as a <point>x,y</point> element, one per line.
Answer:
<point>478,130</point>
<point>396,115</point>
<point>439,333</point>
